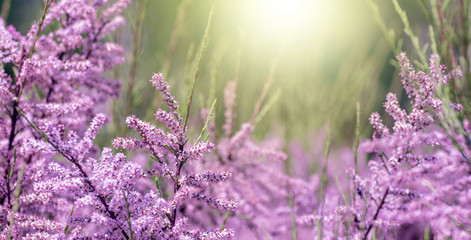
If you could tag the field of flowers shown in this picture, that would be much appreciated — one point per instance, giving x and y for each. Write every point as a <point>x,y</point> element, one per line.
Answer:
<point>93,147</point>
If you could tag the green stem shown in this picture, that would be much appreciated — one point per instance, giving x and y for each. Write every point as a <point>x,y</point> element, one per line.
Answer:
<point>131,234</point>
<point>198,65</point>
<point>228,213</point>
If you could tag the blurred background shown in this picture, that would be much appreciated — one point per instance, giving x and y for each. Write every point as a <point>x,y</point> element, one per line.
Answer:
<point>322,58</point>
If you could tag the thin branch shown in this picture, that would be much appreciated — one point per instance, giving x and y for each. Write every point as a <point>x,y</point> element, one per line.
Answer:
<point>376,213</point>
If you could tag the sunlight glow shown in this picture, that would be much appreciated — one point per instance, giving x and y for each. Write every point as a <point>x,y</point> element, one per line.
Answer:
<point>284,16</point>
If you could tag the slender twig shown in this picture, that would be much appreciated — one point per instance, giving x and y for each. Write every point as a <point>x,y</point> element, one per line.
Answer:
<point>43,16</point>
<point>95,38</point>
<point>198,65</point>
<point>128,215</point>
<point>357,138</point>
<point>383,200</point>
<point>266,86</point>
<point>355,151</point>
<point>266,107</point>
<point>208,119</point>
<point>294,233</point>
<point>324,180</point>
<point>16,206</point>
<point>137,46</point>
<point>176,187</point>
<point>384,163</point>
<point>228,213</point>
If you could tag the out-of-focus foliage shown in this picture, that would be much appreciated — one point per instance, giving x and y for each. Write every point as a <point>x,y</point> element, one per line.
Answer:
<point>334,56</point>
<point>323,68</point>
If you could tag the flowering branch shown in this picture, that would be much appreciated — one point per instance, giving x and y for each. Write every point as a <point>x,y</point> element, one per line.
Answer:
<point>83,174</point>
<point>383,200</point>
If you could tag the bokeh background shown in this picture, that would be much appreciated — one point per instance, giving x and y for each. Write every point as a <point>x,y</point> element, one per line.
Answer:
<point>322,58</point>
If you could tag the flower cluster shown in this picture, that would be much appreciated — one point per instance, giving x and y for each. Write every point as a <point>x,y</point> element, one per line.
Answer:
<point>268,197</point>
<point>173,162</point>
<point>418,180</point>
<point>50,80</point>
<point>163,184</point>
